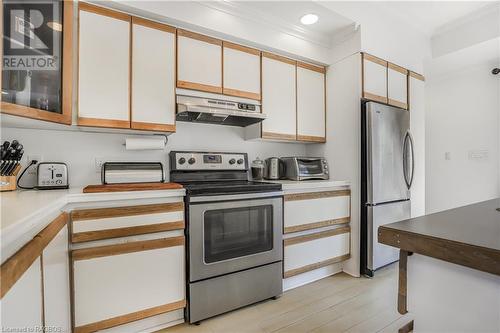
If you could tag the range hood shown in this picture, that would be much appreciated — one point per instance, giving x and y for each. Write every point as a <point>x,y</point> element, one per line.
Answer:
<point>217,109</point>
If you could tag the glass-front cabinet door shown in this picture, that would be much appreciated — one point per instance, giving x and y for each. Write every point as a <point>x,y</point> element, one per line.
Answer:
<point>37,59</point>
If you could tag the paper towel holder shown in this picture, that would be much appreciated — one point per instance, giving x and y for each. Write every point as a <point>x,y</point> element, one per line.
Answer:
<point>165,137</point>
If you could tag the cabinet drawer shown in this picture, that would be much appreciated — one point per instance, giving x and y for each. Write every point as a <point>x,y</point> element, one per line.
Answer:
<point>118,284</point>
<point>312,251</point>
<point>103,223</point>
<point>306,211</point>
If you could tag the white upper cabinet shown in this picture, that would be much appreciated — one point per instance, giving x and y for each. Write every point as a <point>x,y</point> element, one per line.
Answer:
<point>310,103</point>
<point>199,62</point>
<point>279,97</point>
<point>397,86</point>
<point>153,76</point>
<point>241,71</point>
<point>374,78</point>
<point>104,65</point>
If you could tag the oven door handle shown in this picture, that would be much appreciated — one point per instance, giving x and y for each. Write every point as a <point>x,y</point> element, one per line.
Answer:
<point>230,197</point>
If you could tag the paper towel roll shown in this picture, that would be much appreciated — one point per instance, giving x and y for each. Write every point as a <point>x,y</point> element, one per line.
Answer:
<point>145,144</point>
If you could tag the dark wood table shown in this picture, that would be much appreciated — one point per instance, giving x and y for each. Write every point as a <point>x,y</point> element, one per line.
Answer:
<point>467,236</point>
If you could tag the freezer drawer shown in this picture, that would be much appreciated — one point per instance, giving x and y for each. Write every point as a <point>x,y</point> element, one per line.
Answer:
<point>380,255</point>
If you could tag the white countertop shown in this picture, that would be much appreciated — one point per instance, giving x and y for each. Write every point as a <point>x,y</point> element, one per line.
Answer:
<point>310,185</point>
<point>24,213</point>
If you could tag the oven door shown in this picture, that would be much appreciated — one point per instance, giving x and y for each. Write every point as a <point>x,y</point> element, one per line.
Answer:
<point>230,233</point>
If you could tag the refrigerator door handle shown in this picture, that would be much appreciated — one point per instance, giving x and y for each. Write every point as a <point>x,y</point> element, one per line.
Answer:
<point>408,144</point>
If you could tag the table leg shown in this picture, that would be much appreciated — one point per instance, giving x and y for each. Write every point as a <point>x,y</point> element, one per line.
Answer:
<point>402,286</point>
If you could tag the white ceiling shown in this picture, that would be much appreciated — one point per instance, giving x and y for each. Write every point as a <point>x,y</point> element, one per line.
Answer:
<point>432,16</point>
<point>290,12</point>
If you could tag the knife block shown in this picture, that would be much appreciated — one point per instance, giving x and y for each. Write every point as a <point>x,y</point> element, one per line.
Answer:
<point>9,183</point>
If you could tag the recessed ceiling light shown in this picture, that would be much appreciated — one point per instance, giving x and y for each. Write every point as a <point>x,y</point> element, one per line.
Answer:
<point>309,19</point>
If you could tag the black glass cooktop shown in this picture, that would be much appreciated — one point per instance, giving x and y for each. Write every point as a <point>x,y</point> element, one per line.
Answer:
<point>228,187</point>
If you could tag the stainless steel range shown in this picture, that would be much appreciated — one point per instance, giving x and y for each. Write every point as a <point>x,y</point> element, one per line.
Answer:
<point>234,233</point>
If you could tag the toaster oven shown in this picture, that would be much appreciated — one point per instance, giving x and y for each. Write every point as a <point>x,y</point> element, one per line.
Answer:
<point>304,168</point>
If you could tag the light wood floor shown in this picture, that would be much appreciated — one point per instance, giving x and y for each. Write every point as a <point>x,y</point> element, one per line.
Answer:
<point>339,303</point>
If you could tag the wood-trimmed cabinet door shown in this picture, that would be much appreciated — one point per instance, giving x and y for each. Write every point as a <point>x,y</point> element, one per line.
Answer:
<point>103,67</point>
<point>22,305</point>
<point>199,62</point>
<point>374,78</point>
<point>311,104</point>
<point>153,76</point>
<point>241,71</point>
<point>397,86</point>
<point>279,97</point>
<point>122,283</point>
<point>56,288</point>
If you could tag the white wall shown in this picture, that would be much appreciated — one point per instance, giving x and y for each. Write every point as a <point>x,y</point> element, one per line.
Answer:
<point>385,35</point>
<point>343,147</point>
<point>463,110</point>
<point>80,149</point>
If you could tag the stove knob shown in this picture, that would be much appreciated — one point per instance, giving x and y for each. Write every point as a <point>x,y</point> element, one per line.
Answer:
<point>232,161</point>
<point>240,161</point>
<point>191,160</point>
<point>182,160</point>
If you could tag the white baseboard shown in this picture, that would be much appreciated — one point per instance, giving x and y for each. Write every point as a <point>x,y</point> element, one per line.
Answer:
<point>311,276</point>
<point>151,324</point>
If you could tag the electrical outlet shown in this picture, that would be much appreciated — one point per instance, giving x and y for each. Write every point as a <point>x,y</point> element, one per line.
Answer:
<point>30,158</point>
<point>98,164</point>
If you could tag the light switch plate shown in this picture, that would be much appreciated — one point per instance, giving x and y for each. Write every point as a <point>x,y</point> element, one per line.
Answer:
<point>478,154</point>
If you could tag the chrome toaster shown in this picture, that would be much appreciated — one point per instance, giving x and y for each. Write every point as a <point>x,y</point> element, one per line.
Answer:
<point>304,168</point>
<point>52,175</point>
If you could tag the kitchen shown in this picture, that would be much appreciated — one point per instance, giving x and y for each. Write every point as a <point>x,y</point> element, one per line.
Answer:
<point>309,87</point>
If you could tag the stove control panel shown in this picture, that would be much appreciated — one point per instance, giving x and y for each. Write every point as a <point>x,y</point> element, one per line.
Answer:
<point>208,161</point>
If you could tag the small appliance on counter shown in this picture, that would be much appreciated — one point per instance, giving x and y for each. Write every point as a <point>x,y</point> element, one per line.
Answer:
<point>49,176</point>
<point>274,169</point>
<point>132,172</point>
<point>258,167</point>
<point>52,175</point>
<point>305,168</point>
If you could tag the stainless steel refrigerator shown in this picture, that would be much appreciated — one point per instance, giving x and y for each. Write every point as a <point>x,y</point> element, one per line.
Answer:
<point>387,170</point>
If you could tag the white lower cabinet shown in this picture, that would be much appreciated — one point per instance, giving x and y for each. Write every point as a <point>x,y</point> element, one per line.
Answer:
<point>316,235</point>
<point>21,307</point>
<point>116,284</point>
<point>56,293</point>
<point>307,252</point>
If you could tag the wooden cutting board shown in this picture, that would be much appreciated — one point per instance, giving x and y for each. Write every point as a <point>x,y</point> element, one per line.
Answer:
<point>131,187</point>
